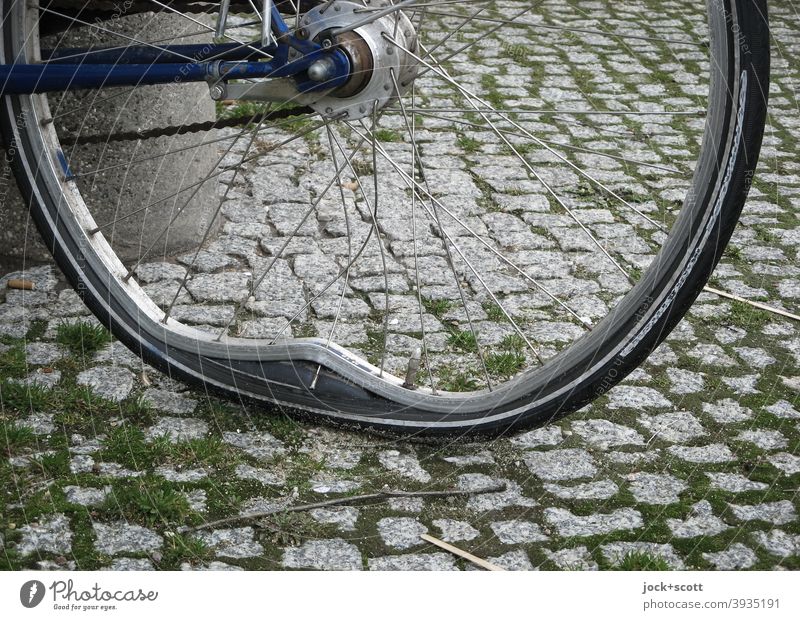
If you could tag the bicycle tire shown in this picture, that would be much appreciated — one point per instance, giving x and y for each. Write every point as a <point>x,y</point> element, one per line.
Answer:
<point>347,391</point>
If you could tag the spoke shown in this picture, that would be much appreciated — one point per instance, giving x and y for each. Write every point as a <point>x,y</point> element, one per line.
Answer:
<point>412,134</point>
<point>207,178</point>
<point>93,102</point>
<point>455,31</point>
<point>565,112</point>
<point>78,175</point>
<point>89,52</point>
<point>211,222</point>
<point>522,24</point>
<point>196,187</point>
<point>374,218</point>
<point>290,237</point>
<point>375,13</point>
<point>373,210</point>
<point>209,28</point>
<point>441,72</point>
<point>415,186</point>
<point>582,321</point>
<point>425,5</point>
<point>563,145</point>
<point>417,161</point>
<point>483,36</point>
<point>349,249</point>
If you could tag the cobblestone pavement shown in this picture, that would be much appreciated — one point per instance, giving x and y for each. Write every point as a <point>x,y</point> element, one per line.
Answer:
<point>692,462</point>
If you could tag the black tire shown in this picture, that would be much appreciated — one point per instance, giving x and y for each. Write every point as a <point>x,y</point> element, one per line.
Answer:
<point>350,395</point>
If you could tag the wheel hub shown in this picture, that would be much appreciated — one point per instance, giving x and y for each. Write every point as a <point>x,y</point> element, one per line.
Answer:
<point>376,63</point>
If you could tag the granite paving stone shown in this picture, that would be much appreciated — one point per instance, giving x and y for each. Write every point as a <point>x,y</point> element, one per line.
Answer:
<point>52,535</point>
<point>122,537</point>
<point>236,543</point>
<point>335,554</point>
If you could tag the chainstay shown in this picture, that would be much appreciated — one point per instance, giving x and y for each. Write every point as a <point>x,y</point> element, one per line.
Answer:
<point>161,132</point>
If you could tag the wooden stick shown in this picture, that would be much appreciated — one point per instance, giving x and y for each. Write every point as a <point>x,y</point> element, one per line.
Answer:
<point>381,496</point>
<point>755,304</point>
<point>461,553</point>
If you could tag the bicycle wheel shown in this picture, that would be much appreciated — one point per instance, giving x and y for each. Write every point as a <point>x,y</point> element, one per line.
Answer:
<point>501,213</point>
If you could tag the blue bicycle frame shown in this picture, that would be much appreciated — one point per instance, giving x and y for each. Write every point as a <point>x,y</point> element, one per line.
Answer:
<point>73,69</point>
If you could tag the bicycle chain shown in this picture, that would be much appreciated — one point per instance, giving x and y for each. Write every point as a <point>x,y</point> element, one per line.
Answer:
<point>161,132</point>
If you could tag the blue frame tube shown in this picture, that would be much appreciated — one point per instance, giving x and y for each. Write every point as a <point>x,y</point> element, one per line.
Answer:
<point>138,54</point>
<point>142,65</point>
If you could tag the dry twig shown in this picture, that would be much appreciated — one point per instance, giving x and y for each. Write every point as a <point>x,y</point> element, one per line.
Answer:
<point>339,501</point>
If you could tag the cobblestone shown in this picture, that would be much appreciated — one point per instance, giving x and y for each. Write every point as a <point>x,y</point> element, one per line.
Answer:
<point>599,489</point>
<point>333,554</point>
<point>413,562</point>
<point>404,464</point>
<point>577,558</point>
<point>604,434</point>
<point>178,429</point>
<point>656,488</point>
<point>516,532</point>
<point>237,543</point>
<point>107,382</point>
<point>51,536</point>
<point>565,464</point>
<point>344,517</point>
<point>777,513</point>
<point>262,446</point>
<point>735,557</point>
<point>116,538</point>
<point>455,531</point>
<point>401,532</point>
<point>568,524</point>
<point>86,496</point>
<point>712,453</point>
<point>616,552</point>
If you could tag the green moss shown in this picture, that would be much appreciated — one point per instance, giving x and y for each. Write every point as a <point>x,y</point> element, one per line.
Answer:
<point>745,315</point>
<point>451,380</point>
<point>83,339</point>
<point>148,500</point>
<point>505,363</point>
<point>126,445</point>
<point>209,451</point>
<point>464,340</point>
<point>388,135</point>
<point>16,396</point>
<point>641,561</point>
<point>53,465</point>
<point>13,363</point>
<point>468,145</point>
<point>15,436</point>
<point>437,307</point>
<point>513,342</point>
<point>179,549</point>
<point>494,312</point>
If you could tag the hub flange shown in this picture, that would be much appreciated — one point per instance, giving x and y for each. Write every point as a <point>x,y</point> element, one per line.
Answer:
<point>373,59</point>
